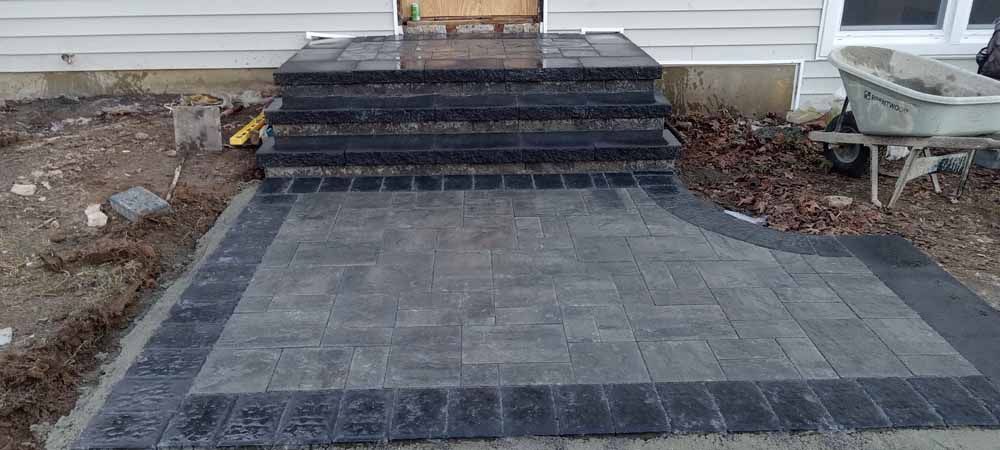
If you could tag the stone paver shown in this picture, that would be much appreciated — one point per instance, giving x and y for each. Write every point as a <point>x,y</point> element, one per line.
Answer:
<point>552,287</point>
<point>478,313</point>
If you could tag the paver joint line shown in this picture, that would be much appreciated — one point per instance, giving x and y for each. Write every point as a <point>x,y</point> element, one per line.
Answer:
<point>530,326</point>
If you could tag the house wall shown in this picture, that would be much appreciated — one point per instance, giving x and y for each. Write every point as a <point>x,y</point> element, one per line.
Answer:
<point>176,34</point>
<point>53,47</point>
<point>709,33</point>
<point>689,31</point>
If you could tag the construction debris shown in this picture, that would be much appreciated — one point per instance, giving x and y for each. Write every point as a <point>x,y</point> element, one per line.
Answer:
<point>24,190</point>
<point>803,116</point>
<point>177,177</point>
<point>249,134</point>
<point>251,98</point>
<point>6,335</point>
<point>203,100</point>
<point>762,221</point>
<point>138,202</point>
<point>95,217</point>
<point>838,201</point>
<point>121,110</point>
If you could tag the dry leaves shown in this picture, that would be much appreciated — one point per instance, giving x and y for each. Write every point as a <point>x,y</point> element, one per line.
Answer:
<point>764,173</point>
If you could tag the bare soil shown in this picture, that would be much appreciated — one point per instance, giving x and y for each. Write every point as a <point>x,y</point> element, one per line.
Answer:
<point>786,178</point>
<point>67,289</point>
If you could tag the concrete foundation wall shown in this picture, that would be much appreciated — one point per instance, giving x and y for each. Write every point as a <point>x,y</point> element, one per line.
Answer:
<point>750,89</point>
<point>19,86</point>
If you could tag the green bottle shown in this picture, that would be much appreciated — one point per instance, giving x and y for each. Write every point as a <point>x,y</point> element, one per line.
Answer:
<point>415,12</point>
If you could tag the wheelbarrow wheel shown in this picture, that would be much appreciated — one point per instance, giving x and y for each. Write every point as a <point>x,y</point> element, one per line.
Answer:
<point>847,159</point>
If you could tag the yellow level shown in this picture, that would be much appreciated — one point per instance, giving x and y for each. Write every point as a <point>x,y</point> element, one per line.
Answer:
<point>245,134</point>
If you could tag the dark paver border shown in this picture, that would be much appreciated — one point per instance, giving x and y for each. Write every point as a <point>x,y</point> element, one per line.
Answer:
<point>167,418</point>
<point>498,148</point>
<point>656,107</point>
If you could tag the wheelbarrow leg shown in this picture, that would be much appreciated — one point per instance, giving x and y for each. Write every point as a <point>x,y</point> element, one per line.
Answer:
<point>873,155</point>
<point>934,177</point>
<point>965,173</point>
<point>840,118</point>
<point>904,175</point>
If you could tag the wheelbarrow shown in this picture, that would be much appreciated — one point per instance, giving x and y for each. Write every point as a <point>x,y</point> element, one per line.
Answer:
<point>899,99</point>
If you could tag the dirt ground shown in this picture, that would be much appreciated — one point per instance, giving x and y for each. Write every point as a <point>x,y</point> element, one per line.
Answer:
<point>67,289</point>
<point>762,168</point>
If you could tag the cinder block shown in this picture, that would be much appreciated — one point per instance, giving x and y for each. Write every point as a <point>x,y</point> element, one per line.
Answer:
<point>197,128</point>
<point>137,203</point>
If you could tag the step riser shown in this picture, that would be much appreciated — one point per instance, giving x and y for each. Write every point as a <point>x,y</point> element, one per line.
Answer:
<point>495,101</point>
<point>596,72</point>
<point>469,169</point>
<point>468,114</point>
<point>466,127</point>
<point>453,101</point>
<point>467,88</point>
<point>584,139</point>
<point>472,156</point>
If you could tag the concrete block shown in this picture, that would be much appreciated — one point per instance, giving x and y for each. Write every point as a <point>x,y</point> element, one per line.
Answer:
<point>197,128</point>
<point>137,203</point>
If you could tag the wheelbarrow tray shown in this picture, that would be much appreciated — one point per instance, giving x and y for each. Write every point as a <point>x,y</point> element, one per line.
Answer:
<point>894,93</point>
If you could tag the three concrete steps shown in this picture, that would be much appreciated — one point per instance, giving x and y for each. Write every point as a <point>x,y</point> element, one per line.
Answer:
<point>467,99</point>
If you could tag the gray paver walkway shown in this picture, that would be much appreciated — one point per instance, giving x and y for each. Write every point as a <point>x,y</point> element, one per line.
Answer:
<point>364,316</point>
<point>453,288</point>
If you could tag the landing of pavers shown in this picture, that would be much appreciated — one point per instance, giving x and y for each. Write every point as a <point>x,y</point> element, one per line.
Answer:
<point>513,297</point>
<point>512,287</point>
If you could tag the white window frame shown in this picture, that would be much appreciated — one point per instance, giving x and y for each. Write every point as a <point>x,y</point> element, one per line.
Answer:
<point>954,39</point>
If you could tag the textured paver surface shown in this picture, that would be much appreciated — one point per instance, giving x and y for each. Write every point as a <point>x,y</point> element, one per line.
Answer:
<point>480,55</point>
<point>424,289</point>
<point>349,311</point>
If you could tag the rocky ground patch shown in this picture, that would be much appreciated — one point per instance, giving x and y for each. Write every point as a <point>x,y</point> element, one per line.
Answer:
<point>70,280</point>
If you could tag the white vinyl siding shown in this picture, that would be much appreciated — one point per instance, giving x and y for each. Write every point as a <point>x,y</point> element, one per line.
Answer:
<point>689,31</point>
<point>679,32</point>
<point>178,34</point>
<point>210,34</point>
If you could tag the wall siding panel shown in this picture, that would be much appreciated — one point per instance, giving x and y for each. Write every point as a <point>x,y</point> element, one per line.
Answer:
<point>180,34</point>
<point>200,34</point>
<point>686,32</point>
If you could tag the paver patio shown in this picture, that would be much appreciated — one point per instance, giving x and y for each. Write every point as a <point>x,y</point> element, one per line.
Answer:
<point>398,309</point>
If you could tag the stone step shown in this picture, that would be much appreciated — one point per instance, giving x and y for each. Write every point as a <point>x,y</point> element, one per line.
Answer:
<point>474,108</point>
<point>468,127</point>
<point>298,73</point>
<point>440,149</point>
<point>447,59</point>
<point>470,100</point>
<point>467,88</point>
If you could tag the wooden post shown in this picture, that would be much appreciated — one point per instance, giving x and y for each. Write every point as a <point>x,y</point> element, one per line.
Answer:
<point>965,173</point>
<point>873,156</point>
<point>904,175</point>
<point>934,177</point>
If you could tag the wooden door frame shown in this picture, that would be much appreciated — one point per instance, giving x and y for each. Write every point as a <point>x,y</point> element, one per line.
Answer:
<point>402,9</point>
